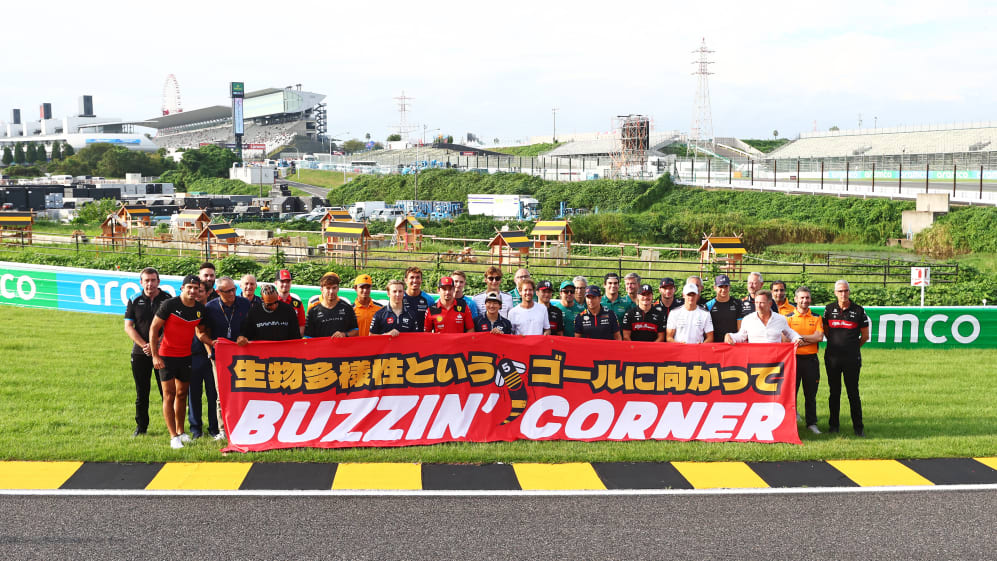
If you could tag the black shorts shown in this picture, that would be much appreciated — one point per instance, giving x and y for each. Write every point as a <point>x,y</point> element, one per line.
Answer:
<point>179,367</point>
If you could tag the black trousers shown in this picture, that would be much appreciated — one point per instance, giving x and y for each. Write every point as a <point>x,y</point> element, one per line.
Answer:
<point>808,374</point>
<point>846,367</point>
<point>202,377</point>
<point>143,373</point>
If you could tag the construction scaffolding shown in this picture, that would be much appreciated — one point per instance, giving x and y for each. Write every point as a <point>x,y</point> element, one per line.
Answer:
<point>631,138</point>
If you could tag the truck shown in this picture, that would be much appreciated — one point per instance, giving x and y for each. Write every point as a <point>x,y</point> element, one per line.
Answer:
<point>362,210</point>
<point>519,207</point>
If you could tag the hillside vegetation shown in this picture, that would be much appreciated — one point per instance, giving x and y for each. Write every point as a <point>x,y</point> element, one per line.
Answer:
<point>528,151</point>
<point>656,211</point>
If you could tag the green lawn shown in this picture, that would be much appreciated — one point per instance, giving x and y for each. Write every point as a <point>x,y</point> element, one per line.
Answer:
<point>320,178</point>
<point>67,394</point>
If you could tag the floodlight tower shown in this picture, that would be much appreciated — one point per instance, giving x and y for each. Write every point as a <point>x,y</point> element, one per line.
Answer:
<point>701,135</point>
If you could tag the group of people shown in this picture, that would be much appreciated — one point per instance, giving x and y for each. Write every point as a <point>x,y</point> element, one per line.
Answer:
<point>176,336</point>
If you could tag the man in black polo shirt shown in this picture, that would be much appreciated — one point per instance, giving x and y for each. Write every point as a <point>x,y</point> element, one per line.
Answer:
<point>491,321</point>
<point>846,327</point>
<point>394,319</point>
<point>725,312</point>
<point>138,317</point>
<point>596,322</point>
<point>331,316</point>
<point>755,283</point>
<point>646,321</point>
<point>272,320</point>
<point>555,316</point>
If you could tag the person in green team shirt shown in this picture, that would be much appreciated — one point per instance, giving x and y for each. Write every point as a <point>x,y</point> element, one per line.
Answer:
<point>569,306</point>
<point>613,300</point>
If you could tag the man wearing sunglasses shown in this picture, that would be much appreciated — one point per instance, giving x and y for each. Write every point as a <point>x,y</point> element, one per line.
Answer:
<point>493,283</point>
<point>223,318</point>
<point>569,307</point>
<point>272,320</point>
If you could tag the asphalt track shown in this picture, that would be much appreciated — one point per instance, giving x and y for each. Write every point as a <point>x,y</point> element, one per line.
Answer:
<point>798,525</point>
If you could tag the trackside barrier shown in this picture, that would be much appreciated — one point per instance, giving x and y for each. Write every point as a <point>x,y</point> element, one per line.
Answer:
<point>108,292</point>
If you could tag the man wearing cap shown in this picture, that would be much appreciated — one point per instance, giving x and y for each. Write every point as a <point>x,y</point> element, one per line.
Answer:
<point>394,319</point>
<point>416,299</point>
<point>690,324</point>
<point>138,318</point>
<point>528,318</point>
<point>581,283</point>
<point>811,329</point>
<point>364,307</point>
<point>271,320</point>
<point>447,315</point>
<point>763,326</point>
<point>569,307</point>
<point>284,293</point>
<point>755,283</point>
<point>545,291</point>
<point>493,283</point>
<point>177,323</point>
<point>596,322</point>
<point>725,311</point>
<point>646,320</point>
<point>517,297</point>
<point>780,303</point>
<point>459,282</point>
<point>613,300</point>
<point>332,316</point>
<point>698,281</point>
<point>491,321</point>
<point>666,292</point>
<point>248,286</point>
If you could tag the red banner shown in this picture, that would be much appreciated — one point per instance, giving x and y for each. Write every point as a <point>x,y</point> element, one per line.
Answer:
<point>427,389</point>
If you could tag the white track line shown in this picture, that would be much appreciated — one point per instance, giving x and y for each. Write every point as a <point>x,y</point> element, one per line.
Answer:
<point>486,493</point>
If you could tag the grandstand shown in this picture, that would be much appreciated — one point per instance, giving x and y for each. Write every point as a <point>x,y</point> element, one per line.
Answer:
<point>961,142</point>
<point>273,118</point>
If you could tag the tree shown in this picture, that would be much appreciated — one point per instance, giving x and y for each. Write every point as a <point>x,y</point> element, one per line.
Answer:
<point>40,155</point>
<point>30,153</point>
<point>56,151</point>
<point>354,145</point>
<point>834,128</point>
<point>367,136</point>
<point>775,133</point>
<point>208,161</point>
<point>495,140</point>
<point>8,156</point>
<point>67,150</point>
<point>18,153</point>
<point>450,139</point>
<point>95,212</point>
<point>394,137</point>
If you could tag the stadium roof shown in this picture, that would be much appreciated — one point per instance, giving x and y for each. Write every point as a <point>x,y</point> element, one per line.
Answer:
<point>264,91</point>
<point>213,113</point>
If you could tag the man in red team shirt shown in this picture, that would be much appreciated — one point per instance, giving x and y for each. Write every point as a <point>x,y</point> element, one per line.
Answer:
<point>448,315</point>
<point>284,295</point>
<point>178,320</point>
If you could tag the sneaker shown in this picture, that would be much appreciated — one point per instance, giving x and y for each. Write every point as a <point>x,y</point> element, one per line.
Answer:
<point>138,432</point>
<point>813,429</point>
<point>184,437</point>
<point>175,443</point>
<point>195,435</point>
<point>219,436</point>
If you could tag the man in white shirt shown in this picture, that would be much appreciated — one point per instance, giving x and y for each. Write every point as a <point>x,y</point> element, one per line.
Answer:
<point>690,323</point>
<point>762,326</point>
<point>528,318</point>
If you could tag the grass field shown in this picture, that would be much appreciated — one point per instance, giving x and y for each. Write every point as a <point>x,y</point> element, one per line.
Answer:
<point>67,394</point>
<point>320,178</point>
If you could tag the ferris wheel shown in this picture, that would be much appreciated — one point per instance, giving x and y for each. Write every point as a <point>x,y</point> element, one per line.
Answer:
<point>171,96</point>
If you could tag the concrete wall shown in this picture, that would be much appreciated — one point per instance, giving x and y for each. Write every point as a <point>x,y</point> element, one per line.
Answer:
<point>933,202</point>
<point>914,221</point>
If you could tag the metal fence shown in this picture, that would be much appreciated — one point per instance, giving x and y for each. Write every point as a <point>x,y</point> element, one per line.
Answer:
<point>649,262</point>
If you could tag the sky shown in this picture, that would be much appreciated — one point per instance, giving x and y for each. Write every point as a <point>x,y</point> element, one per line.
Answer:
<point>498,69</point>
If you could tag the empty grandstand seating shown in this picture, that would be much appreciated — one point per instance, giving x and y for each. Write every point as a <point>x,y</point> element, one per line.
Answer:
<point>946,139</point>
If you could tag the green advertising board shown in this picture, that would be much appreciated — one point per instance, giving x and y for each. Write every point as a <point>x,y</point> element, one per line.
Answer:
<point>935,327</point>
<point>33,289</point>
